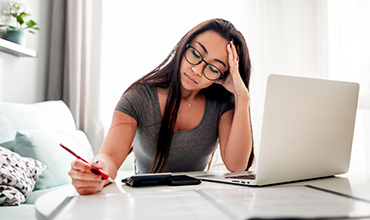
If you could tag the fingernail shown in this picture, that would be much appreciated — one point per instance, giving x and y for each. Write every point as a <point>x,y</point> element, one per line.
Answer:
<point>237,58</point>
<point>95,161</point>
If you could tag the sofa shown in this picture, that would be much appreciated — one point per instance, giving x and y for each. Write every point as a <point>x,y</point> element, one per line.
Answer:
<point>31,161</point>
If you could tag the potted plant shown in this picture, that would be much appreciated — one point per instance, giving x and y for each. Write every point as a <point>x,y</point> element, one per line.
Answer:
<point>13,25</point>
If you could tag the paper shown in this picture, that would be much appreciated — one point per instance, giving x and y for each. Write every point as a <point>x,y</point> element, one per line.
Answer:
<point>286,202</point>
<point>174,205</point>
<point>236,203</point>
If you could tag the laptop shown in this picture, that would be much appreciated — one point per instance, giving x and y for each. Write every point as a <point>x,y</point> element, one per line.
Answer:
<point>307,132</point>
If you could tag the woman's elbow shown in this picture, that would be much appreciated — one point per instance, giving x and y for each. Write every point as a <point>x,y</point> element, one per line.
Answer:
<point>236,167</point>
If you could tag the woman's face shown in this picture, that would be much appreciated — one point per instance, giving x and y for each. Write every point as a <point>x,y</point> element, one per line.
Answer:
<point>212,48</point>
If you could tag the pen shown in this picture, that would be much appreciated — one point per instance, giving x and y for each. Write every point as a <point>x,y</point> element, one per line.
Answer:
<point>95,170</point>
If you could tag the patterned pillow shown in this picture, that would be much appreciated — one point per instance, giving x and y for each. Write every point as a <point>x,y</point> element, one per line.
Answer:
<point>10,196</point>
<point>18,175</point>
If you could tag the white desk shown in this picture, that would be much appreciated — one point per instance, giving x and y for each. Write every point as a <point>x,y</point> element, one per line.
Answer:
<point>357,185</point>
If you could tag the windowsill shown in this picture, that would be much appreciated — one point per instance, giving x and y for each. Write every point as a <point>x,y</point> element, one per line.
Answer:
<point>16,49</point>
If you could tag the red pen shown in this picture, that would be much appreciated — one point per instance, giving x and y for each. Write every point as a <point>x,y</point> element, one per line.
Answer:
<point>95,170</point>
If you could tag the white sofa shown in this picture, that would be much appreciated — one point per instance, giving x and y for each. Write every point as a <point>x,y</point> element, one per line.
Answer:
<point>35,131</point>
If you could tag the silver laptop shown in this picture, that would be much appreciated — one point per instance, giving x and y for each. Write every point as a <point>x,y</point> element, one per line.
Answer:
<point>307,132</point>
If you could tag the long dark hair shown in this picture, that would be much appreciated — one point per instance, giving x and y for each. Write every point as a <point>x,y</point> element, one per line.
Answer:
<point>167,75</point>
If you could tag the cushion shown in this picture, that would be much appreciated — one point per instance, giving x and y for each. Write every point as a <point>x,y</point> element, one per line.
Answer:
<point>49,115</point>
<point>18,176</point>
<point>8,145</point>
<point>23,212</point>
<point>44,146</point>
<point>10,196</point>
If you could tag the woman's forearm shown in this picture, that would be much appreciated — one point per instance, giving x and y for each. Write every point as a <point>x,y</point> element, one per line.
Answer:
<point>239,144</point>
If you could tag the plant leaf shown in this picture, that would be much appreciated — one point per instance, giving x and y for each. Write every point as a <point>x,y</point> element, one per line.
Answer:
<point>20,20</point>
<point>23,14</point>
<point>9,26</point>
<point>30,23</point>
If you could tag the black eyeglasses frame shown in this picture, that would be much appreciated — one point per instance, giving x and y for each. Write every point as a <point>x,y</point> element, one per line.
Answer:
<point>188,46</point>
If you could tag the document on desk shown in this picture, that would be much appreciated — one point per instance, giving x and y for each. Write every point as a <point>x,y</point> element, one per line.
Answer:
<point>172,204</point>
<point>236,203</point>
<point>297,202</point>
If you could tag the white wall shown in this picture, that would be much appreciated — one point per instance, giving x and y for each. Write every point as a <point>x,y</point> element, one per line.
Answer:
<point>23,80</point>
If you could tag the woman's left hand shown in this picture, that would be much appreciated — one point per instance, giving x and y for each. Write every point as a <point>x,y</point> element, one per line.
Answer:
<point>233,82</point>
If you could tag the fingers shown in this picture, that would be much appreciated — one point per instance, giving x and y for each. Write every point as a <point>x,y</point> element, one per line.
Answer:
<point>85,181</point>
<point>95,163</point>
<point>233,49</point>
<point>233,67</point>
<point>234,82</point>
<point>81,170</point>
<point>84,187</point>
<point>233,56</point>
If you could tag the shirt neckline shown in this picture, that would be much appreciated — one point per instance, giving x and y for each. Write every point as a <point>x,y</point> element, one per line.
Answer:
<point>160,115</point>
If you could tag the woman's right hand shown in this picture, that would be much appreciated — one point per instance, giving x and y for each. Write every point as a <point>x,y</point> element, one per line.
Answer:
<point>84,180</point>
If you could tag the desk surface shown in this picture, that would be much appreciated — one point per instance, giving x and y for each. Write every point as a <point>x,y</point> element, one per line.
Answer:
<point>356,185</point>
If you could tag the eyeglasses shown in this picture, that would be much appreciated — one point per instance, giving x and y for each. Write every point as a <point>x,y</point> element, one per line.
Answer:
<point>194,57</point>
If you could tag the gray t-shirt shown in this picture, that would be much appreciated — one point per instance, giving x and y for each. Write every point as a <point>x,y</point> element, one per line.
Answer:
<point>190,149</point>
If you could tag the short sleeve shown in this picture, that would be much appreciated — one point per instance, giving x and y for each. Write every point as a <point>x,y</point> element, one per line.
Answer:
<point>128,103</point>
<point>140,103</point>
<point>230,105</point>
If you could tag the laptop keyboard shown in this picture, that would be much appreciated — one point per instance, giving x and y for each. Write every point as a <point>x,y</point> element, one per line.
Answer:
<point>246,177</point>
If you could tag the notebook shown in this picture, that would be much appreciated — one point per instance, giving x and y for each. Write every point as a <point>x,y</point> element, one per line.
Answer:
<point>307,132</point>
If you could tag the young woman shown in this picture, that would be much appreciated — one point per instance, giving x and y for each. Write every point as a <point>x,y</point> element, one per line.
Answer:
<point>174,117</point>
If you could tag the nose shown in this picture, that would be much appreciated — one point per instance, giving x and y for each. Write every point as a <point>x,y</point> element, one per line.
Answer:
<point>198,69</point>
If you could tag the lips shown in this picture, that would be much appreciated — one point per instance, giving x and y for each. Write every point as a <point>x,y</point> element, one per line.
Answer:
<point>190,78</point>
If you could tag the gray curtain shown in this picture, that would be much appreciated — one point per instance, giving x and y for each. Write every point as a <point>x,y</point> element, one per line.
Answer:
<point>57,86</point>
<point>75,63</point>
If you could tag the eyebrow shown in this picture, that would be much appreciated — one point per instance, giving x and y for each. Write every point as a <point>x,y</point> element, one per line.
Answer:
<point>206,51</point>
<point>204,48</point>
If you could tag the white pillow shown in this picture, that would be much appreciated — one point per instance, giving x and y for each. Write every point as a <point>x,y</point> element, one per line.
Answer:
<point>48,115</point>
<point>44,146</point>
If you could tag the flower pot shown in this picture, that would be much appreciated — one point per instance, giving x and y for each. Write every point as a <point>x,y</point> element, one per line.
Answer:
<point>15,35</point>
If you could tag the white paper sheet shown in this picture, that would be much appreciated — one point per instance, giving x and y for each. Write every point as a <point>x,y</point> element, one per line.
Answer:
<point>287,202</point>
<point>236,203</point>
<point>174,205</point>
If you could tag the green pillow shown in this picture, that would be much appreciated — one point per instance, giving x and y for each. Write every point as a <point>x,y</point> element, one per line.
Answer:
<point>8,145</point>
<point>44,146</point>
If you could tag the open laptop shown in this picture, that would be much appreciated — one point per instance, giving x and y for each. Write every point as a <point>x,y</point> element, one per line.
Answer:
<point>307,132</point>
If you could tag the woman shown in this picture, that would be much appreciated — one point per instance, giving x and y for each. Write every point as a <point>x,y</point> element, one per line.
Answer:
<point>175,115</point>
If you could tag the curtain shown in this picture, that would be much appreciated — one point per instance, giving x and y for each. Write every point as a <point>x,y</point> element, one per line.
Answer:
<point>75,63</point>
<point>322,39</point>
<point>57,86</point>
<point>349,59</point>
<point>285,37</point>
